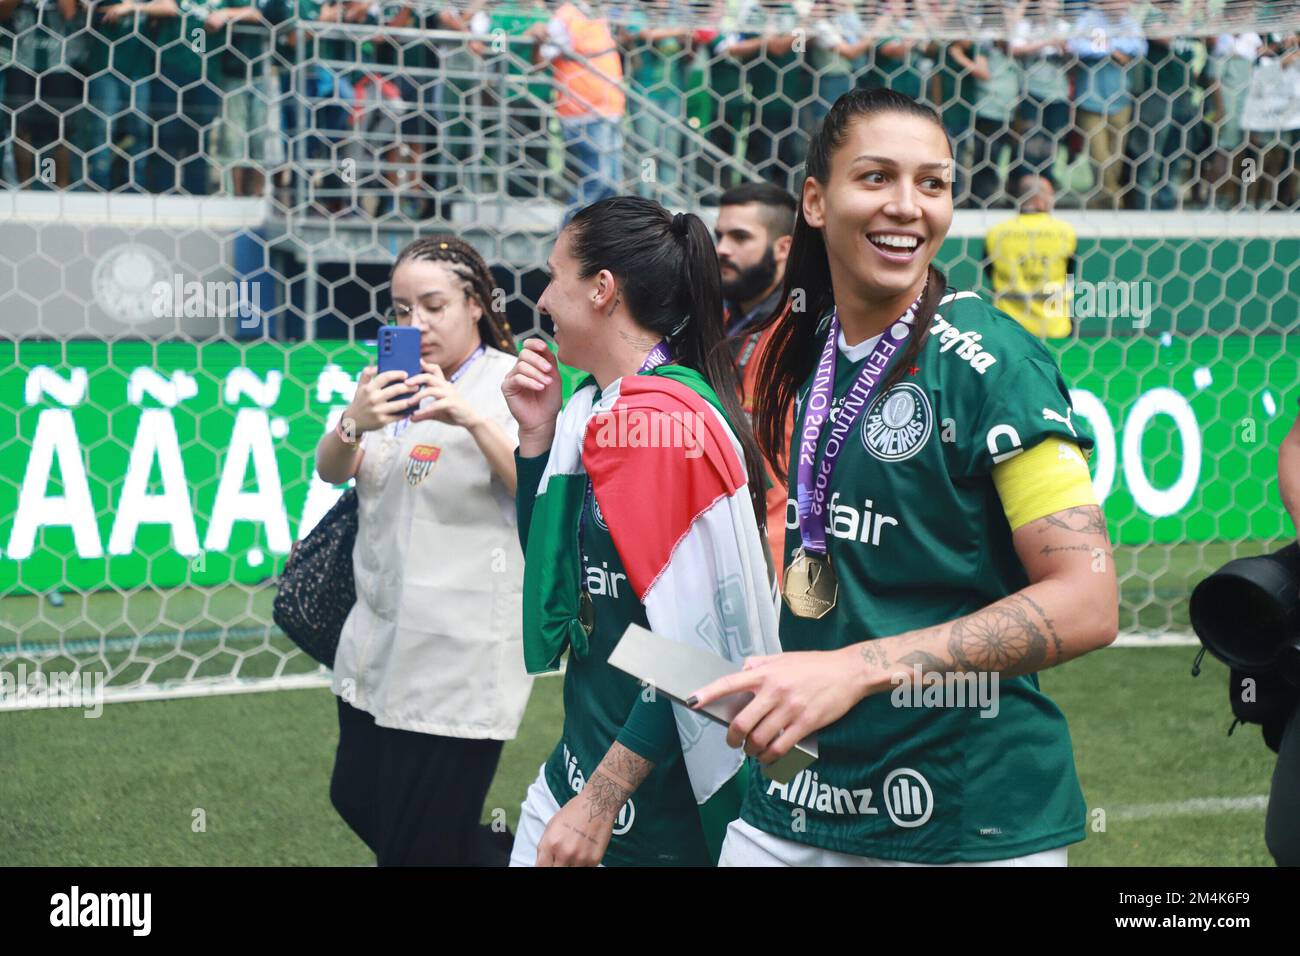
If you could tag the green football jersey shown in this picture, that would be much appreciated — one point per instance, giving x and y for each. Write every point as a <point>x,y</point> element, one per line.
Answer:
<point>660,824</point>
<point>917,536</point>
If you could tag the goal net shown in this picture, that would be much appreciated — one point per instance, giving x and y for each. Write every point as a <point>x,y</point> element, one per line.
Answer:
<point>202,203</point>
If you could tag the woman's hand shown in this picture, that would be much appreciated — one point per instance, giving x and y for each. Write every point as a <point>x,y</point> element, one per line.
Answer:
<point>449,405</point>
<point>794,694</point>
<point>379,400</point>
<point>575,836</point>
<point>532,391</point>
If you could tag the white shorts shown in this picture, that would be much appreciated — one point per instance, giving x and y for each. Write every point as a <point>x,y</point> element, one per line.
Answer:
<point>745,845</point>
<point>536,811</point>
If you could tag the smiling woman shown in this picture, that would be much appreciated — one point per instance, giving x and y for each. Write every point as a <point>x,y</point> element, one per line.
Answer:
<point>429,672</point>
<point>941,522</point>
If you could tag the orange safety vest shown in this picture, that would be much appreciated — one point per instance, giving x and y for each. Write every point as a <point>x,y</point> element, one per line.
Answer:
<point>579,90</point>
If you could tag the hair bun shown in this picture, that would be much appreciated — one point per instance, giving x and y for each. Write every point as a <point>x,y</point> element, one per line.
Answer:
<point>679,223</point>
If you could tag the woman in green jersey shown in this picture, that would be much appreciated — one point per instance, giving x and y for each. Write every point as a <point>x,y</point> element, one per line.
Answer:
<point>943,542</point>
<point>639,503</point>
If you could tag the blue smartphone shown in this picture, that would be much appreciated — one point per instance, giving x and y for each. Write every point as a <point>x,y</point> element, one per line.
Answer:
<point>399,348</point>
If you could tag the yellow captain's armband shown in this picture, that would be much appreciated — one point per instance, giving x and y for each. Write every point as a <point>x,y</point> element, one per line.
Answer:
<point>1050,477</point>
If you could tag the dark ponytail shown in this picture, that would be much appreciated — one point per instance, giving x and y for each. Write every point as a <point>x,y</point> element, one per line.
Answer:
<point>794,348</point>
<point>667,267</point>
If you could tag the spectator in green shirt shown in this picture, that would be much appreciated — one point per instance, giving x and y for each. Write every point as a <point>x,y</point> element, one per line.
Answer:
<point>49,45</point>
<point>1165,88</point>
<point>838,42</point>
<point>996,95</point>
<point>184,100</point>
<point>315,87</point>
<point>895,62</point>
<point>517,81</point>
<point>778,82</point>
<point>120,63</point>
<point>1038,45</point>
<point>237,41</point>
<point>659,56</point>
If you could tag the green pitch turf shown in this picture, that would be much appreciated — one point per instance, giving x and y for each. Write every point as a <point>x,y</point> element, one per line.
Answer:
<point>125,788</point>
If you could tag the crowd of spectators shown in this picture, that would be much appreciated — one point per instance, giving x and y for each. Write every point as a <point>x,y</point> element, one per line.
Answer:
<point>203,96</point>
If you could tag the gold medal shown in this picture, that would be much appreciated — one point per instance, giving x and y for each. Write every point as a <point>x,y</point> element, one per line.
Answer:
<point>810,588</point>
<point>587,612</point>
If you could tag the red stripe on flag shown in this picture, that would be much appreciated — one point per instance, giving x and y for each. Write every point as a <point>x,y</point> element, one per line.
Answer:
<point>649,493</point>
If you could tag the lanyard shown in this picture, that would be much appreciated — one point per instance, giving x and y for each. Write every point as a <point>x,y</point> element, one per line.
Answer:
<point>813,476</point>
<point>402,424</point>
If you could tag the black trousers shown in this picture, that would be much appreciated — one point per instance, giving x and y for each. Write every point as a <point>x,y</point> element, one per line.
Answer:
<point>1282,824</point>
<point>415,799</point>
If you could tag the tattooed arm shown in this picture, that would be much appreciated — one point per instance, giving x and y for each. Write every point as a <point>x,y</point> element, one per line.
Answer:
<point>1070,607</point>
<point>579,833</point>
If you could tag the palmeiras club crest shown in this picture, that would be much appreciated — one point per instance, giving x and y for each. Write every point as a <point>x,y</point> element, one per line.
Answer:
<point>420,462</point>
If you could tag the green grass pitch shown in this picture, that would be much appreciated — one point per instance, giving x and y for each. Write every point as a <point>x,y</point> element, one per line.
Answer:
<point>123,789</point>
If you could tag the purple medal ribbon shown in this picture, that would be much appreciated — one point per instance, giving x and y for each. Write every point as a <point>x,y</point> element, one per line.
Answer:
<point>661,354</point>
<point>813,478</point>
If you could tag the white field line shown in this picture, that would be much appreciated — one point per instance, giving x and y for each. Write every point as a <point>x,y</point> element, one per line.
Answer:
<point>1163,639</point>
<point>1195,807</point>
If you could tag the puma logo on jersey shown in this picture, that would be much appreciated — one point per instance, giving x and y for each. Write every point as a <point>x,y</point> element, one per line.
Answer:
<point>1051,416</point>
<point>846,521</point>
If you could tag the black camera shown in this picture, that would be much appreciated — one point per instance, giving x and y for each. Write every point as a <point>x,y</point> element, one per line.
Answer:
<point>1247,613</point>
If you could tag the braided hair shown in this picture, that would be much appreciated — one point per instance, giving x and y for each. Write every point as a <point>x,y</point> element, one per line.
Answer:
<point>470,267</point>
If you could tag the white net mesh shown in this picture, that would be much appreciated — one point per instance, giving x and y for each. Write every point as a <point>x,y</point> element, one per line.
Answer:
<point>203,202</point>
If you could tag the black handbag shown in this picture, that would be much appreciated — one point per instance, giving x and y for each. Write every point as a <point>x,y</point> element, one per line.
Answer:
<point>316,588</point>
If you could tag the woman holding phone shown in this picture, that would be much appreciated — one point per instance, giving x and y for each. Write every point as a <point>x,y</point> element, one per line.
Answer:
<point>429,671</point>
<point>640,503</point>
<point>943,540</point>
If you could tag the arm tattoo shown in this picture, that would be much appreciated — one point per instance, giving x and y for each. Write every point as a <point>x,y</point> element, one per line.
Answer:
<point>926,661</point>
<point>630,767</point>
<point>1056,640</point>
<point>1052,549</point>
<point>874,656</point>
<point>1002,637</point>
<point>586,836</point>
<point>606,796</point>
<point>1086,519</point>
